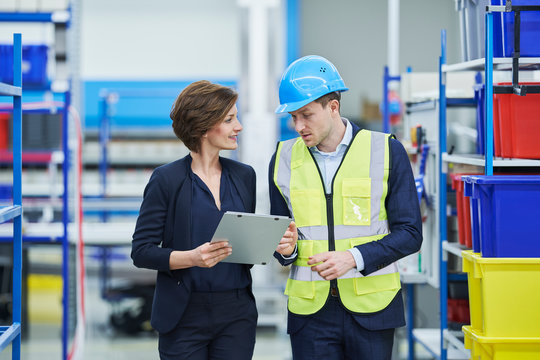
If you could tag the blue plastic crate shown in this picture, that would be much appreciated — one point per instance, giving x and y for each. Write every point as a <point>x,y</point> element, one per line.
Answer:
<point>34,65</point>
<point>6,192</point>
<point>508,212</point>
<point>530,30</point>
<point>479,94</point>
<point>472,20</point>
<point>475,223</point>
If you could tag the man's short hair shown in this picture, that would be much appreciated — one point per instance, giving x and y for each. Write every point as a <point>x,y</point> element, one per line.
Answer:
<point>325,99</point>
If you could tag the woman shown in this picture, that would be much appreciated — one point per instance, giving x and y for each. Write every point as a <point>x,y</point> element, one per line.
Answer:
<point>203,308</point>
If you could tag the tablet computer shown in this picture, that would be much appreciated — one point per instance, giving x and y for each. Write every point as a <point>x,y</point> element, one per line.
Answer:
<point>253,237</point>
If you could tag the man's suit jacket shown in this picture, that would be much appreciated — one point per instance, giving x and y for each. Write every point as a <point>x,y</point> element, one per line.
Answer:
<point>163,225</point>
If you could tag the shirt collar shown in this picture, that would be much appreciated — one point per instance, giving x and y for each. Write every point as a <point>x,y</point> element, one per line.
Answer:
<point>347,137</point>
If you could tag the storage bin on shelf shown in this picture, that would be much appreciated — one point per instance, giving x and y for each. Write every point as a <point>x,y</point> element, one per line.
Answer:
<point>529,29</point>
<point>458,311</point>
<point>517,120</point>
<point>507,214</point>
<point>6,192</point>
<point>472,15</point>
<point>503,295</point>
<point>463,211</point>
<point>4,131</point>
<point>473,209</point>
<point>479,96</point>
<point>34,65</point>
<point>500,348</point>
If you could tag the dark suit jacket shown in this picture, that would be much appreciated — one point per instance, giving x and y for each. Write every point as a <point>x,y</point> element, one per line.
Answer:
<point>163,225</point>
<point>405,235</point>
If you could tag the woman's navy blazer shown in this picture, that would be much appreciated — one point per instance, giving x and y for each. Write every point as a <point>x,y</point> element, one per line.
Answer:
<point>164,225</point>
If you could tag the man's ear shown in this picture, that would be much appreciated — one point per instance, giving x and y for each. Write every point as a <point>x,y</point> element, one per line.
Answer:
<point>334,105</point>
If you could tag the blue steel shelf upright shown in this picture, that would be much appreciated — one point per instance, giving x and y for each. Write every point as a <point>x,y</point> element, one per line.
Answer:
<point>12,333</point>
<point>61,20</point>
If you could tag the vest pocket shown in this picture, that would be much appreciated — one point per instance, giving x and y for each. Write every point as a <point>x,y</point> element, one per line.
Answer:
<point>306,206</point>
<point>300,289</point>
<point>372,284</point>
<point>357,201</point>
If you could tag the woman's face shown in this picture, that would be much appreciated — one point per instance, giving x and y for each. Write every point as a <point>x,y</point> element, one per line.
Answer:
<point>223,135</point>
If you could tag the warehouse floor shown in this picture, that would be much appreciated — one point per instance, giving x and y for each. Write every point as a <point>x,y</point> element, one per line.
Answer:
<point>103,342</point>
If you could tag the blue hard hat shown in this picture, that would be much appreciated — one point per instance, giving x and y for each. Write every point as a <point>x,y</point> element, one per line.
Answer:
<point>306,80</point>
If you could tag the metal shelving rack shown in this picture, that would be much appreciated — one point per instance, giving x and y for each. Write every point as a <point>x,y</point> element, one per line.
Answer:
<point>61,21</point>
<point>387,78</point>
<point>12,333</point>
<point>488,64</point>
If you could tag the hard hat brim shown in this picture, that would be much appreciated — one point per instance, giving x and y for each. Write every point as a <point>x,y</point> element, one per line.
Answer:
<point>293,106</point>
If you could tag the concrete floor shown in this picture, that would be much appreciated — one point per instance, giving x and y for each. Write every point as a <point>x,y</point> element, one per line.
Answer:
<point>102,341</point>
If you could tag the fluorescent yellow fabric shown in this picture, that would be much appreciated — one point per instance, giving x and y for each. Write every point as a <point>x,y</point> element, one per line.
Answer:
<point>358,195</point>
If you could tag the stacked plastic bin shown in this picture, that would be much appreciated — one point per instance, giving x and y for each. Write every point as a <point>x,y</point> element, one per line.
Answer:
<point>503,269</point>
<point>515,123</point>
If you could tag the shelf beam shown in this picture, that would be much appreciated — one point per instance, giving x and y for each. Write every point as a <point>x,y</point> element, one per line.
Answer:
<point>456,343</point>
<point>8,334</point>
<point>479,160</point>
<point>525,63</point>
<point>52,17</point>
<point>9,212</point>
<point>10,90</point>
<point>454,248</point>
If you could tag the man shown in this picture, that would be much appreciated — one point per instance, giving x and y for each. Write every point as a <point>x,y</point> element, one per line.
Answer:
<point>351,193</point>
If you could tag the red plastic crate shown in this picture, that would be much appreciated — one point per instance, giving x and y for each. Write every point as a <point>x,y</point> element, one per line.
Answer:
<point>519,124</point>
<point>496,127</point>
<point>463,211</point>
<point>4,131</point>
<point>458,311</point>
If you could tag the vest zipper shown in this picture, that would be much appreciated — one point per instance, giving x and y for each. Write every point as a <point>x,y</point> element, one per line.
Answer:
<point>330,208</point>
<point>331,237</point>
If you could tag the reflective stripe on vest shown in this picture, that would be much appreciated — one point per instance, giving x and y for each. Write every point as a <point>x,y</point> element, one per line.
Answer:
<point>359,190</point>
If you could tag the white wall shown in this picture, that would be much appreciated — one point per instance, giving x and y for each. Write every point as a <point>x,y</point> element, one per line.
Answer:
<point>186,39</point>
<point>161,39</point>
<point>353,35</point>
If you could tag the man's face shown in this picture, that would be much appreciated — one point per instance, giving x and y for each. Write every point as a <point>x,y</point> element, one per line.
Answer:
<point>313,123</point>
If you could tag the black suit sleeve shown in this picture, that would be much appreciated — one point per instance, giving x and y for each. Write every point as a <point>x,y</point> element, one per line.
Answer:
<point>403,212</point>
<point>146,251</point>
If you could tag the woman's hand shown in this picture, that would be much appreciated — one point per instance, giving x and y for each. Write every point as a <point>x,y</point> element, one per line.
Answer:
<point>209,254</point>
<point>288,241</point>
<point>206,255</point>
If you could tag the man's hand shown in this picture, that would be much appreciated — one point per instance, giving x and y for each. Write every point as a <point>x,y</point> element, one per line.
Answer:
<point>288,241</point>
<point>209,254</point>
<point>332,264</point>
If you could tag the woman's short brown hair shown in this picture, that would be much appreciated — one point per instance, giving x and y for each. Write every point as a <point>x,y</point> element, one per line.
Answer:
<point>198,108</point>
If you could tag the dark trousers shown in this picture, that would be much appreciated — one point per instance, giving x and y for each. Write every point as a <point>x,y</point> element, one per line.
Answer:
<point>334,334</point>
<point>215,325</point>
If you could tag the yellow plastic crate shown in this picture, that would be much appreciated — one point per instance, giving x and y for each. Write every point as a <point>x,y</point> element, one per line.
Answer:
<point>501,348</point>
<point>503,295</point>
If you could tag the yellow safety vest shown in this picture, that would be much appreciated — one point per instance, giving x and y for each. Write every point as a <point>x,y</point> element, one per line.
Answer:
<point>353,214</point>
